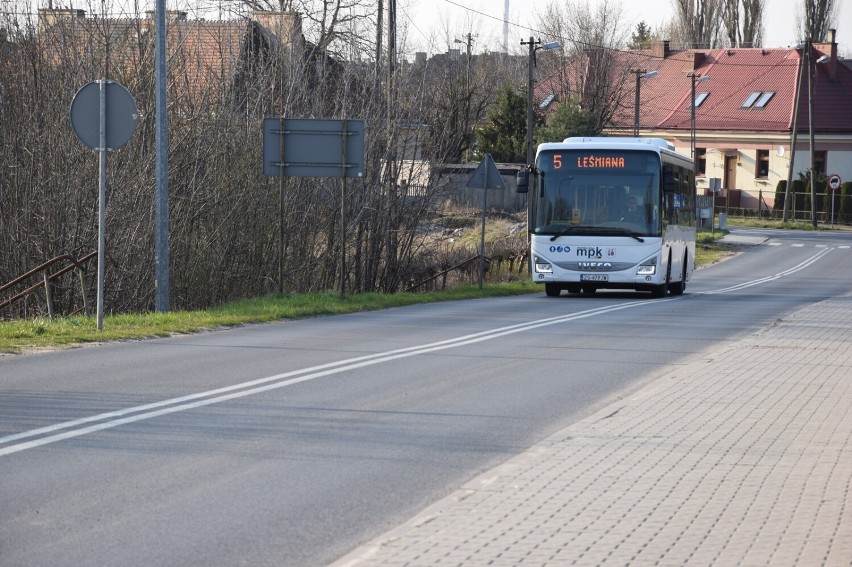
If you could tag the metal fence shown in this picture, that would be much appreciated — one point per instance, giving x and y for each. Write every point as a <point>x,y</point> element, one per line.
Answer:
<point>799,211</point>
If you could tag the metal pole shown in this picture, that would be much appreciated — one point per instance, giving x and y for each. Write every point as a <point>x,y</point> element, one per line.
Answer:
<point>530,109</point>
<point>636,103</point>
<point>811,127</point>
<point>692,77</point>
<point>482,237</point>
<point>343,213</point>
<point>102,160</point>
<point>281,138</point>
<point>161,261</point>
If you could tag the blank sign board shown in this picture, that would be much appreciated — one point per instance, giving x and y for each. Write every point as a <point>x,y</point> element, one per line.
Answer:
<point>120,117</point>
<point>300,147</point>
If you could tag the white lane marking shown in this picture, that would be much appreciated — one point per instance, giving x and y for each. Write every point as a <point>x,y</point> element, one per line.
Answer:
<point>774,244</point>
<point>147,411</point>
<point>797,245</point>
<point>793,270</point>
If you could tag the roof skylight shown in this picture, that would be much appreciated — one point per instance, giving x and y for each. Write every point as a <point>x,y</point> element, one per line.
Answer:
<point>700,98</point>
<point>758,99</point>
<point>764,98</point>
<point>750,100</point>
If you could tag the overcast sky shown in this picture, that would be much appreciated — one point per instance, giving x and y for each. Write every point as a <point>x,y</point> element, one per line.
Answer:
<point>427,20</point>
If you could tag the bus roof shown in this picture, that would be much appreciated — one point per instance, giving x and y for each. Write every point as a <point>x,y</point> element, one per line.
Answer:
<point>658,145</point>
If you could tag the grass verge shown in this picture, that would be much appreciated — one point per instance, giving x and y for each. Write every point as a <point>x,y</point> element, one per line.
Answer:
<point>18,336</point>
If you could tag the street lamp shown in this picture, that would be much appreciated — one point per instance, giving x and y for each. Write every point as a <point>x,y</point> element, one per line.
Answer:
<point>640,74</point>
<point>532,43</point>
<point>696,78</point>
<point>469,43</point>
<point>811,76</point>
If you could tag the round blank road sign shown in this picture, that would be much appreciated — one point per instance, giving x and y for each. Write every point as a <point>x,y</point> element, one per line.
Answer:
<point>121,115</point>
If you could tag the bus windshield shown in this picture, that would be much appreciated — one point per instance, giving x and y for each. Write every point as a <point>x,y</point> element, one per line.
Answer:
<point>596,192</point>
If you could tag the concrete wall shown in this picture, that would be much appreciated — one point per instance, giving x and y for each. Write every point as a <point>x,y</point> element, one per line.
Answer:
<point>454,178</point>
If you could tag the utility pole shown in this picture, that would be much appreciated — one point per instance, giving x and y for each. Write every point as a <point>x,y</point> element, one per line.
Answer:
<point>532,43</point>
<point>793,135</point>
<point>530,109</point>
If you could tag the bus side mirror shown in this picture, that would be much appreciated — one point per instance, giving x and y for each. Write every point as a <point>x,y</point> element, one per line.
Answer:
<point>523,180</point>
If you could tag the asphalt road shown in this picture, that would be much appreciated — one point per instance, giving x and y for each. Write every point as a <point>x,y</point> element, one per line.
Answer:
<point>291,443</point>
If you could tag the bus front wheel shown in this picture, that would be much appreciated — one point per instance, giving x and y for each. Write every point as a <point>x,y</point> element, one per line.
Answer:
<point>552,289</point>
<point>679,287</point>
<point>663,289</point>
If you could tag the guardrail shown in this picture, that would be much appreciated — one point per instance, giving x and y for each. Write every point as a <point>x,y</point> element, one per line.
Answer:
<point>78,264</point>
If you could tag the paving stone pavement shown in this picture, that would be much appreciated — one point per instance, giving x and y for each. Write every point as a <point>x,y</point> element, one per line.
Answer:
<point>742,456</point>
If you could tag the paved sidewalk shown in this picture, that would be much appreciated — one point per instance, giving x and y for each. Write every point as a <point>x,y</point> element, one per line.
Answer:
<point>740,457</point>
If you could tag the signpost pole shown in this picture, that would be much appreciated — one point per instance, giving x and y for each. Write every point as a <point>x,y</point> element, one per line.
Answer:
<point>102,163</point>
<point>115,110</point>
<point>834,183</point>
<point>482,238</point>
<point>343,209</point>
<point>281,209</point>
<point>486,176</point>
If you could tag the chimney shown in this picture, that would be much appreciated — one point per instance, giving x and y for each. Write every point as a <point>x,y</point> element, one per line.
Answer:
<point>171,15</point>
<point>50,17</point>
<point>828,47</point>
<point>286,26</point>
<point>660,49</point>
<point>698,59</point>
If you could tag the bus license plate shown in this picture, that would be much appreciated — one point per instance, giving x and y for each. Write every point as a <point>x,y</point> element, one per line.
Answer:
<point>593,277</point>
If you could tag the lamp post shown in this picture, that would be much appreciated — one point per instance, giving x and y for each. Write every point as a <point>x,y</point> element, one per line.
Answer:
<point>532,43</point>
<point>640,74</point>
<point>695,78</point>
<point>469,43</point>
<point>811,77</point>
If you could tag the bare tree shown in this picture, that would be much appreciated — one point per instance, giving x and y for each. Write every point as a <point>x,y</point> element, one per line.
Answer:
<point>224,78</point>
<point>698,23</point>
<point>594,72</point>
<point>819,16</point>
<point>743,22</point>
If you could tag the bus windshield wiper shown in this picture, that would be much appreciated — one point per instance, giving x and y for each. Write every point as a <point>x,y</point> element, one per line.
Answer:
<point>568,229</point>
<point>599,230</point>
<point>630,233</point>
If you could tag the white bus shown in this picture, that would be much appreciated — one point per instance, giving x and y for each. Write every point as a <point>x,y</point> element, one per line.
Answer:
<point>616,213</point>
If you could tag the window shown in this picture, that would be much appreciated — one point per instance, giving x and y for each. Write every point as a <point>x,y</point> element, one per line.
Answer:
<point>819,161</point>
<point>762,164</point>
<point>700,161</point>
<point>750,100</point>
<point>764,98</point>
<point>546,102</point>
<point>700,98</point>
<point>758,99</point>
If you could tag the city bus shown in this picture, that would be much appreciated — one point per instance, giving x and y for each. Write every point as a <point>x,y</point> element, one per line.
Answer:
<point>611,213</point>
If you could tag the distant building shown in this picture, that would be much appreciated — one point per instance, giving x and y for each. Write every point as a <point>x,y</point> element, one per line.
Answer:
<point>744,112</point>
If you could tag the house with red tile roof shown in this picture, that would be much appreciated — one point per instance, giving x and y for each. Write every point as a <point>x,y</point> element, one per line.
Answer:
<point>206,58</point>
<point>745,108</point>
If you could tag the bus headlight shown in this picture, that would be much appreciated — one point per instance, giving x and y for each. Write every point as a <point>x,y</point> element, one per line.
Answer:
<point>542,266</point>
<point>648,267</point>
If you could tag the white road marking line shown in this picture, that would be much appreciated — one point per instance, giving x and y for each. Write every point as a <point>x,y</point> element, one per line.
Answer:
<point>79,427</point>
